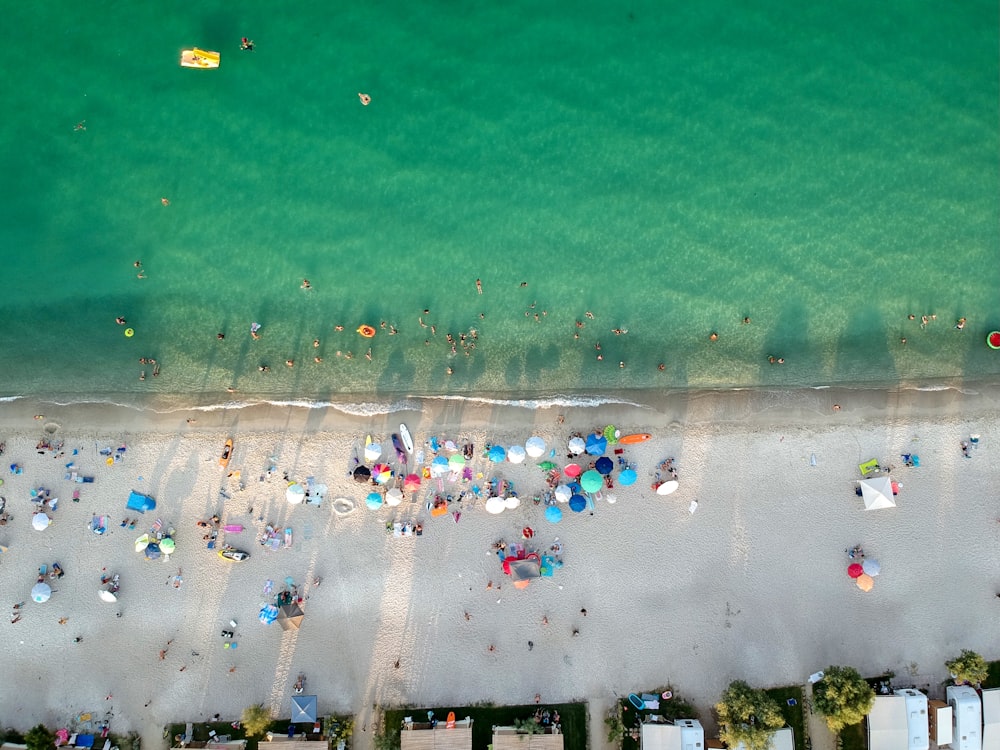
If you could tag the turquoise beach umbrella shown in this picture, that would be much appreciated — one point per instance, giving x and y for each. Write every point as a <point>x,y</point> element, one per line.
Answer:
<point>497,454</point>
<point>627,477</point>
<point>373,501</point>
<point>591,481</point>
<point>553,514</point>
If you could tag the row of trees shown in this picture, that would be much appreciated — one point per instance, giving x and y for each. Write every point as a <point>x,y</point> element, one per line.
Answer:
<point>842,697</point>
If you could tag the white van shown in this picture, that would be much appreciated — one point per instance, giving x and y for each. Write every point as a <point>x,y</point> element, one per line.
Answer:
<point>967,712</point>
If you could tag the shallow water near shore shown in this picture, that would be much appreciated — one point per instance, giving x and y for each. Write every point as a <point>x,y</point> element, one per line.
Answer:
<point>822,171</point>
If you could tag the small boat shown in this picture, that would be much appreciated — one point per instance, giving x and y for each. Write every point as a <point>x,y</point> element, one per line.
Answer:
<point>639,437</point>
<point>200,58</point>
<point>231,553</point>
<point>227,453</point>
<point>407,439</point>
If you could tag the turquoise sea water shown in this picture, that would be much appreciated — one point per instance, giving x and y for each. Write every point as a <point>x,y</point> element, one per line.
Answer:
<point>669,167</point>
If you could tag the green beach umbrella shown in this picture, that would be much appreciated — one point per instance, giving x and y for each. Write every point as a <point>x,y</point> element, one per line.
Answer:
<point>591,481</point>
<point>611,434</point>
<point>457,461</point>
<point>546,466</point>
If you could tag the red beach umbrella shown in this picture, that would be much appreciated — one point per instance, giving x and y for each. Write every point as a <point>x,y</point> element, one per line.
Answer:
<point>854,570</point>
<point>572,470</point>
<point>411,483</point>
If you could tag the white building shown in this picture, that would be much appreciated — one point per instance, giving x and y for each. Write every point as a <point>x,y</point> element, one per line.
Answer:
<point>967,717</point>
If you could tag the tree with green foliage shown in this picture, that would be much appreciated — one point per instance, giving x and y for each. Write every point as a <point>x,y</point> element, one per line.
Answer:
<point>40,738</point>
<point>256,719</point>
<point>842,697</point>
<point>747,715</point>
<point>968,667</point>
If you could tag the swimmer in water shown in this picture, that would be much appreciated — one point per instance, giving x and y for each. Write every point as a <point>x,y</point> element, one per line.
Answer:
<point>137,264</point>
<point>365,99</point>
<point>746,321</point>
<point>290,362</point>
<point>338,328</point>
<point>315,343</point>
<point>120,320</point>
<point>220,336</point>
<point>713,336</point>
<point>589,314</point>
<point>305,284</point>
<point>368,354</point>
<point>479,286</point>
<point>661,367</point>
<point>82,125</point>
<point>164,201</point>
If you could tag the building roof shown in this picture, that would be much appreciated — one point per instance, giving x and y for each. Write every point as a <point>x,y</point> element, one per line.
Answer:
<point>887,728</point>
<point>505,738</point>
<point>438,738</point>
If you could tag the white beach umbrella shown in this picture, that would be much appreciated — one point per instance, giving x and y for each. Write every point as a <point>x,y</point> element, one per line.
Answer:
<point>512,502</point>
<point>495,505</point>
<point>871,567</point>
<point>877,493</point>
<point>372,452</point>
<point>516,454</point>
<point>107,596</point>
<point>41,592</point>
<point>577,446</point>
<point>563,493</point>
<point>393,497</point>
<point>667,487</point>
<point>295,493</point>
<point>40,522</point>
<point>535,446</point>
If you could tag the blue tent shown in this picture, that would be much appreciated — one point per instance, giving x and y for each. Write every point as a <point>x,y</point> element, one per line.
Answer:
<point>141,503</point>
<point>303,709</point>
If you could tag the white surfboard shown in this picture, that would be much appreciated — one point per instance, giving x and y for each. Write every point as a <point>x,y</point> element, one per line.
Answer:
<point>404,435</point>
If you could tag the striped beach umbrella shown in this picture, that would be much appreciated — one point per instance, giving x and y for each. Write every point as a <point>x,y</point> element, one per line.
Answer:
<point>381,473</point>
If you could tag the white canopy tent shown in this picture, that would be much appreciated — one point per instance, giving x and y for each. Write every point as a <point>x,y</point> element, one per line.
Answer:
<point>877,493</point>
<point>991,719</point>
<point>887,728</point>
<point>782,739</point>
<point>684,734</point>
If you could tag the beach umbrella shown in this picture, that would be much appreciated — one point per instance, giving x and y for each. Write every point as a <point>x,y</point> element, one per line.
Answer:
<point>167,545</point>
<point>141,542</point>
<point>372,452</point>
<point>527,532</point>
<point>667,487</point>
<point>627,477</point>
<point>362,474</point>
<point>877,493</point>
<point>591,481</point>
<point>563,493</point>
<point>596,444</point>
<point>495,505</point>
<point>572,470</point>
<point>553,514</point>
<point>516,454</point>
<point>577,503</point>
<point>575,488</point>
<point>41,592</point>
<point>865,582</point>
<point>546,466</point>
<point>439,466</point>
<point>512,502</point>
<point>604,465</point>
<point>576,446</point>
<point>107,596</point>
<point>534,446</point>
<point>871,567</point>
<point>295,493</point>
<point>449,445</point>
<point>611,434</point>
<point>497,454</point>
<point>854,570</point>
<point>40,522</point>
<point>393,497</point>
<point>411,483</point>
<point>457,461</point>
<point>373,501</point>
<point>381,473</point>
<point>152,551</point>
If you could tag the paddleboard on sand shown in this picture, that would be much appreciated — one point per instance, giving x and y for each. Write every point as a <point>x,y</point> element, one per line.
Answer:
<point>636,438</point>
<point>407,440</point>
<point>397,443</point>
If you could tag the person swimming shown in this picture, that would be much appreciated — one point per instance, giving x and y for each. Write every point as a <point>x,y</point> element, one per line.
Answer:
<point>365,99</point>
<point>246,44</point>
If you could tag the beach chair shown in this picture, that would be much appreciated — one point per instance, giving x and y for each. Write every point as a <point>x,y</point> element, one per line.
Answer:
<point>869,467</point>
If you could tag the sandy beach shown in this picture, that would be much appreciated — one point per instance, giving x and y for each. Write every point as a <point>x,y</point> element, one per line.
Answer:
<point>752,585</point>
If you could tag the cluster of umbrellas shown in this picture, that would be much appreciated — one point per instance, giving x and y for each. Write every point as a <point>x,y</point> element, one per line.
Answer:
<point>864,573</point>
<point>153,548</point>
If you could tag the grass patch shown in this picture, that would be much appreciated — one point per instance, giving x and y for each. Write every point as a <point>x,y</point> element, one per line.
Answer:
<point>572,717</point>
<point>201,730</point>
<point>794,715</point>
<point>853,737</point>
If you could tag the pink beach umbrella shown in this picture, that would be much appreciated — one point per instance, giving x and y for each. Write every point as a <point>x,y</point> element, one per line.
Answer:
<point>411,483</point>
<point>572,470</point>
<point>855,570</point>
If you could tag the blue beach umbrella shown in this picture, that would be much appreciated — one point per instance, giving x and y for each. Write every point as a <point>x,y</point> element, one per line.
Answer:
<point>439,466</point>
<point>604,465</point>
<point>553,514</point>
<point>627,477</point>
<point>575,488</point>
<point>497,454</point>
<point>373,501</point>
<point>596,444</point>
<point>577,503</point>
<point>152,551</point>
<point>591,481</point>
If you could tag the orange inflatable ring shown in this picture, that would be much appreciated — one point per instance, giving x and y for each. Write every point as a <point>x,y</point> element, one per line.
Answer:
<point>366,331</point>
